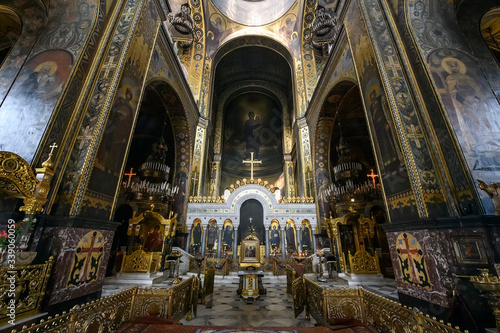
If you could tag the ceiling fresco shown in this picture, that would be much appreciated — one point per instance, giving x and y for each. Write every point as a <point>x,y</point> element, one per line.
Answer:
<point>253,12</point>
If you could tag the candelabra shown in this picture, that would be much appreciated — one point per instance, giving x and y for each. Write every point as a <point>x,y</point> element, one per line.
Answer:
<point>153,183</point>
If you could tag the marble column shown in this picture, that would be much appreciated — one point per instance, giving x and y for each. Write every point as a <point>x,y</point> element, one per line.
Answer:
<point>203,240</point>
<point>314,242</point>
<point>235,244</point>
<point>267,241</point>
<point>188,245</point>
<point>299,242</point>
<point>283,246</point>
<point>219,242</point>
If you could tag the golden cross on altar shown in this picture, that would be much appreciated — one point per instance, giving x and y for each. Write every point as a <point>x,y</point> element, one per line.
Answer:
<point>251,161</point>
<point>130,174</point>
<point>54,146</point>
<point>373,175</point>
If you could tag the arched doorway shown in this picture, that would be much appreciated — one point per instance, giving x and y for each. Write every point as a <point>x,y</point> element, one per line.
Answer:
<point>251,214</point>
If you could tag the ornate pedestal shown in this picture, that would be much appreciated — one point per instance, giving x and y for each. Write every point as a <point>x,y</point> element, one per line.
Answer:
<point>490,287</point>
<point>251,285</point>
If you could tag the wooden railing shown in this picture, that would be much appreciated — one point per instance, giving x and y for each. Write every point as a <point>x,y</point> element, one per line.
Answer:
<point>109,313</point>
<point>29,286</point>
<point>373,310</point>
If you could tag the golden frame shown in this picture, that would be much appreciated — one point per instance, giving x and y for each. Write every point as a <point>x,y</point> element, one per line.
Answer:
<point>246,257</point>
<point>469,250</point>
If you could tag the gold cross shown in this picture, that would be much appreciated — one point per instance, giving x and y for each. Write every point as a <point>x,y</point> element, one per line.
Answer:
<point>373,175</point>
<point>130,175</point>
<point>415,135</point>
<point>251,161</point>
<point>52,148</point>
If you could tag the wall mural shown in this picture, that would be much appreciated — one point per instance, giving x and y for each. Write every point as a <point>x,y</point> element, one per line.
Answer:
<point>106,173</point>
<point>33,19</point>
<point>463,88</point>
<point>252,123</point>
<point>464,92</point>
<point>391,165</point>
<point>36,91</point>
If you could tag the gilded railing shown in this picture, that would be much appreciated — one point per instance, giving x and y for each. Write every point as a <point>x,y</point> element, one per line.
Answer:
<point>315,301</point>
<point>141,261</point>
<point>298,294</point>
<point>30,283</point>
<point>343,303</point>
<point>373,310</point>
<point>179,304</point>
<point>208,284</point>
<point>364,263</point>
<point>104,315</point>
<point>290,277</point>
<point>150,302</point>
<point>109,313</point>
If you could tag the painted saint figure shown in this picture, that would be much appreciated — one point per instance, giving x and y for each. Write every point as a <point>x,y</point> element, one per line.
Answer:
<point>306,239</point>
<point>378,109</point>
<point>275,237</point>
<point>154,240</point>
<point>290,238</point>
<point>250,251</point>
<point>211,235</point>
<point>252,134</point>
<point>227,237</point>
<point>197,235</point>
<point>469,101</point>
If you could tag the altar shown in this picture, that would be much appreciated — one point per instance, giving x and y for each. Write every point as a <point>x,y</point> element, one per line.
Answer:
<point>250,286</point>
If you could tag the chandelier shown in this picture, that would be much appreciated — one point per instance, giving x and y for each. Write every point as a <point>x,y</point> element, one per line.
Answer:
<point>154,173</point>
<point>350,184</point>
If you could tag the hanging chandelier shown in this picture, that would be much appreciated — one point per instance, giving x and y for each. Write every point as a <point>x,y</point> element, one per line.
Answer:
<point>350,184</point>
<point>154,173</point>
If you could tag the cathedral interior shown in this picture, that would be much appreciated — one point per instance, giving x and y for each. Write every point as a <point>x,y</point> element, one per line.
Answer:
<point>185,140</point>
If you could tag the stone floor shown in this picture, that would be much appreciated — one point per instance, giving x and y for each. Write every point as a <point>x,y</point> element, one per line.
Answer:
<point>226,308</point>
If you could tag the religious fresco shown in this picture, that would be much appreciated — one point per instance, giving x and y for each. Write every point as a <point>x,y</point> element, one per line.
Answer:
<point>291,237</point>
<point>34,94</point>
<point>275,237</point>
<point>253,13</point>
<point>391,164</point>
<point>438,39</point>
<point>464,92</point>
<point>33,17</point>
<point>107,169</point>
<point>322,170</point>
<point>306,237</point>
<point>79,162</point>
<point>228,236</point>
<point>196,237</point>
<point>252,124</point>
<point>412,261</point>
<point>87,259</point>
<point>212,241</point>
